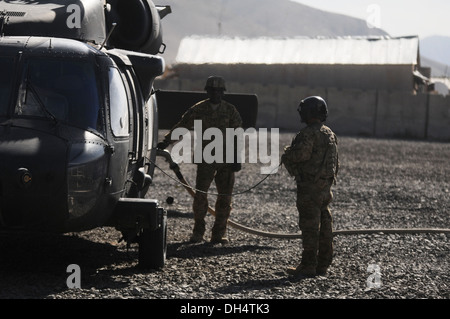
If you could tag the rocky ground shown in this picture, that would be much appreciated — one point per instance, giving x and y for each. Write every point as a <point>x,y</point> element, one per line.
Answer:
<point>382,184</point>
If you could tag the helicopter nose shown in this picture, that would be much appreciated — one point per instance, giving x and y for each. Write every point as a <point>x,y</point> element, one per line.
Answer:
<point>32,178</point>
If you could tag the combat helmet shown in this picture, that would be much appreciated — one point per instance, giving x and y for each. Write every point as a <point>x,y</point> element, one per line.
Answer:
<point>313,107</point>
<point>217,82</point>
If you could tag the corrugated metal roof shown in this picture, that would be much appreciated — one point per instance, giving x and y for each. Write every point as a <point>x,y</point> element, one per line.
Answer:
<point>343,50</point>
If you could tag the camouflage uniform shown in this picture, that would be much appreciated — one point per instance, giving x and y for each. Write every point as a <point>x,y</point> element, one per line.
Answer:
<point>313,159</point>
<point>224,116</point>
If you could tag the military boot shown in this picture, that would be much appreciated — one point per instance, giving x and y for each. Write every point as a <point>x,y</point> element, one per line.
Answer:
<point>219,230</point>
<point>321,271</point>
<point>310,247</point>
<point>219,240</point>
<point>218,236</point>
<point>198,231</point>
<point>196,237</point>
<point>301,272</point>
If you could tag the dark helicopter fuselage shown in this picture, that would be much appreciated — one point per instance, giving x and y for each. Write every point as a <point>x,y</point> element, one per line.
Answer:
<point>78,118</point>
<point>76,132</point>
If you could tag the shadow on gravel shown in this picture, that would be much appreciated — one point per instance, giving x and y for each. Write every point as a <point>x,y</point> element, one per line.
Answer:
<point>178,214</point>
<point>259,284</point>
<point>35,265</point>
<point>187,250</point>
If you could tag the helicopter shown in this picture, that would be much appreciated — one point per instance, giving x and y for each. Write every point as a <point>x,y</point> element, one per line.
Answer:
<point>78,118</point>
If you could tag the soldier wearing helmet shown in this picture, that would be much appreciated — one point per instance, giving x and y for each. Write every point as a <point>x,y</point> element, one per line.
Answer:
<point>312,158</point>
<point>214,112</point>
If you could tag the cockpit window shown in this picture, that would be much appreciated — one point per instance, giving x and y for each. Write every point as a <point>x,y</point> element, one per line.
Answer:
<point>118,104</point>
<point>63,90</point>
<point>6,78</point>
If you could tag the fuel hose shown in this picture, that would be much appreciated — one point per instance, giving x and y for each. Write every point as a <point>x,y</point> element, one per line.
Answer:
<point>176,169</point>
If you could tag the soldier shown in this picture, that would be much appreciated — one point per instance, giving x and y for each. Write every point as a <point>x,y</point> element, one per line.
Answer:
<point>313,159</point>
<point>214,113</point>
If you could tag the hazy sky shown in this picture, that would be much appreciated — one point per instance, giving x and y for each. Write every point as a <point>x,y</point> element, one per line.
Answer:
<point>396,17</point>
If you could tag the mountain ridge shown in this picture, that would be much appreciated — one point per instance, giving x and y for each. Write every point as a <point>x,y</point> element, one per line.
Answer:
<point>254,18</point>
<point>436,49</point>
<point>281,18</point>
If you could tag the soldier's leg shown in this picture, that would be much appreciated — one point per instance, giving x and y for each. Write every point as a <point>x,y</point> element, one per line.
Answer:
<point>325,254</point>
<point>308,206</point>
<point>205,176</point>
<point>224,182</point>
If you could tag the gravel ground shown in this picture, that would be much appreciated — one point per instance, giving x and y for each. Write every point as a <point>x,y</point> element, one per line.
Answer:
<point>382,184</point>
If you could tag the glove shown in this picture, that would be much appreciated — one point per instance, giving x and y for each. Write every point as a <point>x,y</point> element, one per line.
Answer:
<point>236,167</point>
<point>162,145</point>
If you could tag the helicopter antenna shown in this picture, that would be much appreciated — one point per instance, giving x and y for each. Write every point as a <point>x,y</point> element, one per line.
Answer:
<point>109,35</point>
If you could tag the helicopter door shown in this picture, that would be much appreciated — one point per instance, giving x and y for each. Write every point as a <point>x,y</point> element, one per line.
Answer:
<point>136,117</point>
<point>120,127</point>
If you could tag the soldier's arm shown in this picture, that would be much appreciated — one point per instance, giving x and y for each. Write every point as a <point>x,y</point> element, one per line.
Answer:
<point>301,148</point>
<point>187,121</point>
<point>338,164</point>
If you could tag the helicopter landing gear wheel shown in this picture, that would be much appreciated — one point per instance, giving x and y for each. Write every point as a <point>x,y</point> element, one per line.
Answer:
<point>153,246</point>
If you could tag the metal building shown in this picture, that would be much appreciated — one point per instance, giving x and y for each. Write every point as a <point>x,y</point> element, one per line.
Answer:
<point>366,63</point>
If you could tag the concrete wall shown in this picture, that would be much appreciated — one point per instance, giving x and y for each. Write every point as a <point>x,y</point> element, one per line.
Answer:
<point>381,77</point>
<point>438,124</point>
<point>376,113</point>
<point>401,115</point>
